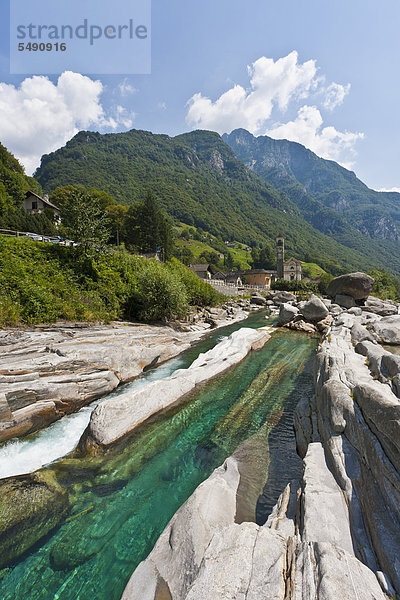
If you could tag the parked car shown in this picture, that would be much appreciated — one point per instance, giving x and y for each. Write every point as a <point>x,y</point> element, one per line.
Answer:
<point>35,237</point>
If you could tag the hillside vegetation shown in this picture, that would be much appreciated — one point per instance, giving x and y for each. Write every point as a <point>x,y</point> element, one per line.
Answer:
<point>199,181</point>
<point>13,186</point>
<point>331,198</point>
<point>42,283</point>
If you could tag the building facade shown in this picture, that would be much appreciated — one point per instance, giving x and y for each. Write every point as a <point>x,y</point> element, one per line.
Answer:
<point>34,205</point>
<point>290,270</point>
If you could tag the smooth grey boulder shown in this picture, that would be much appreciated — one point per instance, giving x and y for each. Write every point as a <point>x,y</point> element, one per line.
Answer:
<point>357,285</point>
<point>258,300</point>
<point>287,312</point>
<point>388,329</point>
<point>335,309</point>
<point>327,572</point>
<point>323,497</point>
<point>118,416</point>
<point>355,310</point>
<point>359,333</point>
<point>242,561</point>
<point>314,309</point>
<point>281,297</point>
<point>377,306</point>
<point>345,301</point>
<point>381,410</point>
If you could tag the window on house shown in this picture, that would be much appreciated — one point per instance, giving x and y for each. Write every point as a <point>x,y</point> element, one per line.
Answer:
<point>34,205</point>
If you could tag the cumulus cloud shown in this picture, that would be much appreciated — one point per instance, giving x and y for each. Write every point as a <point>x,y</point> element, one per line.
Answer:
<point>308,129</point>
<point>39,116</point>
<point>125,88</point>
<point>394,189</point>
<point>334,94</point>
<point>273,86</point>
<point>271,83</point>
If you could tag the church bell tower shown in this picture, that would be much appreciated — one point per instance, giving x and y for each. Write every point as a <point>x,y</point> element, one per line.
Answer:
<point>280,256</point>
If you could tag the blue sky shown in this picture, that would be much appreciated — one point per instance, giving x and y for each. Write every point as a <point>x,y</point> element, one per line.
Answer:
<point>339,94</point>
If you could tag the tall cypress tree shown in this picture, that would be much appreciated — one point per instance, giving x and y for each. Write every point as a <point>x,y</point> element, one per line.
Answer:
<point>149,228</point>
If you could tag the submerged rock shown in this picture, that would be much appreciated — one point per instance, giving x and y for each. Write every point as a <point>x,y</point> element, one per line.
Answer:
<point>30,507</point>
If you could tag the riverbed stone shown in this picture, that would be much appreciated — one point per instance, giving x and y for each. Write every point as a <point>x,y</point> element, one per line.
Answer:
<point>314,309</point>
<point>387,329</point>
<point>281,297</point>
<point>380,307</point>
<point>357,285</point>
<point>116,417</point>
<point>71,364</point>
<point>287,312</point>
<point>30,507</point>
<point>345,301</point>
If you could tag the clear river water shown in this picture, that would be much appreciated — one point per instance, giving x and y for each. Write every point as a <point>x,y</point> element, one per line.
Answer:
<point>122,500</point>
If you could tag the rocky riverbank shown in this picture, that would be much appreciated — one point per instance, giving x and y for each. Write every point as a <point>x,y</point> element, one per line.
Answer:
<point>116,417</point>
<point>334,534</point>
<point>50,371</point>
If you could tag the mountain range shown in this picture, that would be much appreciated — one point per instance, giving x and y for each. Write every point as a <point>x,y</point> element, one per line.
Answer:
<point>241,187</point>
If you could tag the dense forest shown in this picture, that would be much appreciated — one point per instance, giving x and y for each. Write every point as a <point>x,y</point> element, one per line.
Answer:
<point>199,181</point>
<point>13,186</point>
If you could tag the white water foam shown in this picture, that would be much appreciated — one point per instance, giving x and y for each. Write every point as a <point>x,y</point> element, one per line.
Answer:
<point>21,456</point>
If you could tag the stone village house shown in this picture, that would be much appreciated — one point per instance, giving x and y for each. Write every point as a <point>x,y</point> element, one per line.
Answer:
<point>288,270</point>
<point>35,205</point>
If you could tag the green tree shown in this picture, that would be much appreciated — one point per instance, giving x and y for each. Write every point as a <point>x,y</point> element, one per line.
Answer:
<point>118,216</point>
<point>61,195</point>
<point>263,258</point>
<point>84,220</point>
<point>228,261</point>
<point>148,228</point>
<point>158,293</point>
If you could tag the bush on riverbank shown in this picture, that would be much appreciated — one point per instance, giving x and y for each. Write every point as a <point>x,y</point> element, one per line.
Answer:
<point>42,283</point>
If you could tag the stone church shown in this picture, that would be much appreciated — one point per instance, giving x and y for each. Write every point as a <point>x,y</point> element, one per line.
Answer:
<point>290,269</point>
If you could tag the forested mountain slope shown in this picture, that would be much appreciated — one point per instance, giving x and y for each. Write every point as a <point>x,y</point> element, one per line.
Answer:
<point>199,180</point>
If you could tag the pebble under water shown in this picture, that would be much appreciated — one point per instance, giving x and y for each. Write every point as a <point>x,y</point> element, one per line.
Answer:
<point>122,500</point>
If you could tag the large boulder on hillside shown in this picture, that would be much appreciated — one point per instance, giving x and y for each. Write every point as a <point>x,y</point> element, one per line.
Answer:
<point>356,285</point>
<point>287,313</point>
<point>314,309</point>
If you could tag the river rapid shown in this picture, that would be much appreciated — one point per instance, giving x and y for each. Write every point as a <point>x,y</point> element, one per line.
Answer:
<point>120,501</point>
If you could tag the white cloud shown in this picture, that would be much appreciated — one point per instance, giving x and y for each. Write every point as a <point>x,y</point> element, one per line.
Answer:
<point>273,85</point>
<point>394,189</point>
<point>125,88</point>
<point>307,129</point>
<point>123,116</point>
<point>40,116</point>
<point>334,94</point>
<point>162,105</point>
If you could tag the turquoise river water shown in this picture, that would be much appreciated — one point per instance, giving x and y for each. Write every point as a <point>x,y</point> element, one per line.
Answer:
<point>121,501</point>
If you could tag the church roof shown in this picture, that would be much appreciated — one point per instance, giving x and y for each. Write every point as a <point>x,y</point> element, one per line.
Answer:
<point>292,259</point>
